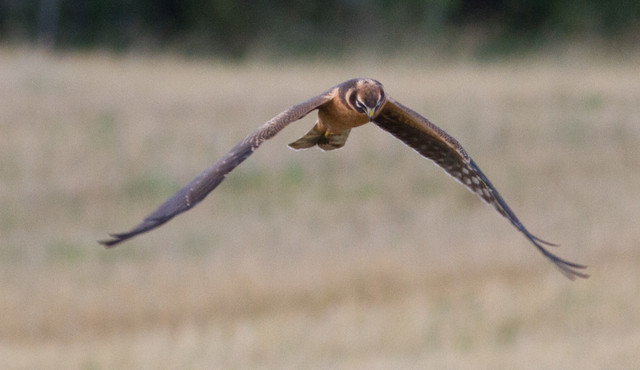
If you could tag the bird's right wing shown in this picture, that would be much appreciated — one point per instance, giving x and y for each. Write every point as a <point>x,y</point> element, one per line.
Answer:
<point>209,179</point>
<point>432,142</point>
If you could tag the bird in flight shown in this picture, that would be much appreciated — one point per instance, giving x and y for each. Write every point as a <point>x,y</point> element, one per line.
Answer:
<point>351,104</point>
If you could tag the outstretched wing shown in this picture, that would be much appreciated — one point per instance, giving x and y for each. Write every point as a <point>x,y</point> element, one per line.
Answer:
<point>209,179</point>
<point>435,144</point>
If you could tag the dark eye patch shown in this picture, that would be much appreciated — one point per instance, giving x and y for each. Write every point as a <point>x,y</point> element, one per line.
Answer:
<point>358,105</point>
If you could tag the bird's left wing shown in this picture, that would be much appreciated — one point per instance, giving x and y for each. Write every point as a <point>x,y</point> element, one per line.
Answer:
<point>433,143</point>
<point>209,179</point>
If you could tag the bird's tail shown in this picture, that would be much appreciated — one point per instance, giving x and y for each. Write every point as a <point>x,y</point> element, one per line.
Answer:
<point>324,139</point>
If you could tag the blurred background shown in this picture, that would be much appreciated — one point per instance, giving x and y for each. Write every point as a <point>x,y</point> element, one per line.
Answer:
<point>366,257</point>
<point>284,28</point>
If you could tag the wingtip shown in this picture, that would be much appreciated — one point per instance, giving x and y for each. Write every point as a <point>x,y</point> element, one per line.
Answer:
<point>568,269</point>
<point>116,238</point>
<point>110,243</point>
<point>544,241</point>
<point>107,243</point>
<point>146,225</point>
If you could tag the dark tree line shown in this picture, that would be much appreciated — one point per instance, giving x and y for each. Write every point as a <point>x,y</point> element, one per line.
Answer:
<point>233,27</point>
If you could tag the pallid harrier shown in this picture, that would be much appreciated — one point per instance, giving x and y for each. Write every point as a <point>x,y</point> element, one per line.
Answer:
<point>351,104</point>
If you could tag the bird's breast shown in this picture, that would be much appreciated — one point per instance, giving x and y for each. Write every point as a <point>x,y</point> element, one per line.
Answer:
<point>337,118</point>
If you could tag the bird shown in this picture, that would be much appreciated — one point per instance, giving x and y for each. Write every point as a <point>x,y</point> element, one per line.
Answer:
<point>341,108</point>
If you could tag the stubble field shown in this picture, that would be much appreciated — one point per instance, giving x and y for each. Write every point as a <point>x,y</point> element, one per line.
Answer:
<point>366,257</point>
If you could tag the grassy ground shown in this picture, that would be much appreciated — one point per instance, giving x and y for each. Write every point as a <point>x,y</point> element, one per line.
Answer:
<point>366,257</point>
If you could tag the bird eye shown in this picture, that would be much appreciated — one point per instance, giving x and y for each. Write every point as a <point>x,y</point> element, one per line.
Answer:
<point>360,106</point>
<point>379,103</point>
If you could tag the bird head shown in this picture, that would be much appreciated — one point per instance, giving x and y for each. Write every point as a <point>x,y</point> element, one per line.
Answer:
<point>368,97</point>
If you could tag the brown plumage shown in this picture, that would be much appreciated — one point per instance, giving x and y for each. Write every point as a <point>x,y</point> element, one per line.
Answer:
<point>351,104</point>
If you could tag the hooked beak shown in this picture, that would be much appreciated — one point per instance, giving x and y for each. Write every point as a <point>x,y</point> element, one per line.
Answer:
<point>371,112</point>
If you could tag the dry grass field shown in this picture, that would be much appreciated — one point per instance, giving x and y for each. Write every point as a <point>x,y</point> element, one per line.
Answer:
<point>367,257</point>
